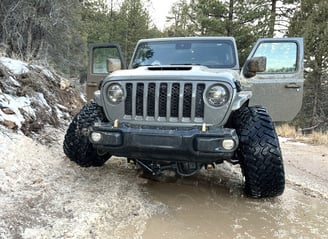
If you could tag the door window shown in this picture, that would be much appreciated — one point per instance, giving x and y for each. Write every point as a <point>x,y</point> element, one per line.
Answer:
<point>281,56</point>
<point>102,56</point>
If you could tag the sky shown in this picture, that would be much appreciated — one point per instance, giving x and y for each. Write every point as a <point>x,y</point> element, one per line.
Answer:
<point>159,10</point>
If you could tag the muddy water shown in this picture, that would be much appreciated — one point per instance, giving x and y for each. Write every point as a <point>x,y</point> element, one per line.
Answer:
<point>212,205</point>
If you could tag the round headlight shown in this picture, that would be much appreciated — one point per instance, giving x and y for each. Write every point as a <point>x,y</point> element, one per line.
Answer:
<point>217,95</point>
<point>115,93</point>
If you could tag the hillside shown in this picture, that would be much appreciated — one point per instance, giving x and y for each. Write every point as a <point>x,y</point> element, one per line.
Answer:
<point>33,97</point>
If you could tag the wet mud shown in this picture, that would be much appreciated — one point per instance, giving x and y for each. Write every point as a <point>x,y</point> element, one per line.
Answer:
<point>202,209</point>
<point>212,204</point>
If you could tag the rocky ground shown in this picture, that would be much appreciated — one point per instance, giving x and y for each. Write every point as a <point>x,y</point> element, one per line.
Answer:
<point>32,97</point>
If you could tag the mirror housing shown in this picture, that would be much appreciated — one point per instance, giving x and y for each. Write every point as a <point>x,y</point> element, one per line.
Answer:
<point>254,65</point>
<point>113,64</point>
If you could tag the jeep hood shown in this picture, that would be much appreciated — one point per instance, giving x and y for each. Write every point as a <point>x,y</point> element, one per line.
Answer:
<point>176,72</point>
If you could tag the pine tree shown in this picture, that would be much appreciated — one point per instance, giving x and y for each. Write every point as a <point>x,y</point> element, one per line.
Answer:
<point>310,22</point>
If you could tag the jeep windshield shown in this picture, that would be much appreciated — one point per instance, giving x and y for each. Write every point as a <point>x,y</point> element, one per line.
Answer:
<point>213,53</point>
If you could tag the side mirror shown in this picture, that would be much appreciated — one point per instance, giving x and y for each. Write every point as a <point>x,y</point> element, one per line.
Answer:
<point>253,65</point>
<point>113,64</point>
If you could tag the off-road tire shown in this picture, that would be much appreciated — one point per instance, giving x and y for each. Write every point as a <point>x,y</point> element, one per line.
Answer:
<point>259,153</point>
<point>77,146</point>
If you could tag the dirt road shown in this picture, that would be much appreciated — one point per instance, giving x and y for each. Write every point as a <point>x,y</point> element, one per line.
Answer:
<point>44,195</point>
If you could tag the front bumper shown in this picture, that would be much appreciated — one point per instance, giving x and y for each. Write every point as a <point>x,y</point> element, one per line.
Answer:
<point>166,144</point>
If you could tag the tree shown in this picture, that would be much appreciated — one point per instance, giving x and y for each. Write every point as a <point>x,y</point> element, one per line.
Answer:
<point>180,19</point>
<point>215,18</point>
<point>44,31</point>
<point>199,17</point>
<point>98,20</point>
<point>133,23</point>
<point>310,22</point>
<point>125,24</point>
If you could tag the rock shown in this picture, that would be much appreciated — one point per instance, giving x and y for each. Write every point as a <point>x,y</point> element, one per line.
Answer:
<point>7,111</point>
<point>64,84</point>
<point>9,124</point>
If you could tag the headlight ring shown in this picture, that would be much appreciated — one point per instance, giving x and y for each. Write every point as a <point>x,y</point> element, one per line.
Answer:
<point>217,95</point>
<point>115,93</point>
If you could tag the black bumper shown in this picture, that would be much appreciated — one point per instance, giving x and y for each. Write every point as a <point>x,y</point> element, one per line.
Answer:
<point>164,144</point>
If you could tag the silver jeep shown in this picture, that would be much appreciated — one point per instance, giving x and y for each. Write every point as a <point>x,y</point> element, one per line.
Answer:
<point>184,104</point>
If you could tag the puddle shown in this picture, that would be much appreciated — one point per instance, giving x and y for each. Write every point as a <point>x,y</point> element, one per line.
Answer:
<point>209,206</point>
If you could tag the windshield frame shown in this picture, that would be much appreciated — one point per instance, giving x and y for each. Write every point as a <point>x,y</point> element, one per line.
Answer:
<point>217,53</point>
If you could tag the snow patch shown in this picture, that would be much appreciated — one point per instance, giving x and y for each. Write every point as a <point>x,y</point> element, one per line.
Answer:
<point>82,96</point>
<point>15,66</point>
<point>17,105</point>
<point>40,97</point>
<point>14,81</point>
<point>47,73</point>
<point>31,97</point>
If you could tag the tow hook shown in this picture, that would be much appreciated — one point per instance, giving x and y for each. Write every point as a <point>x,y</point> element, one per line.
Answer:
<point>210,166</point>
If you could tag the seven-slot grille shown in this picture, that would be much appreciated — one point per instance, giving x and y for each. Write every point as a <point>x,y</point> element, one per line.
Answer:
<point>170,100</point>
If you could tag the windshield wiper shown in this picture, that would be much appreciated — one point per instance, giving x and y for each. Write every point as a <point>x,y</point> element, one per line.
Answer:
<point>136,65</point>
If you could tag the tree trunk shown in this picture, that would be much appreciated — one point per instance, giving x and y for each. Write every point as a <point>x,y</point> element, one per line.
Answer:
<point>272,17</point>
<point>229,26</point>
<point>316,93</point>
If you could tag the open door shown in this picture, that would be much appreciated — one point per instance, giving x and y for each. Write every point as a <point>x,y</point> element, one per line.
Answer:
<point>104,58</point>
<point>279,87</point>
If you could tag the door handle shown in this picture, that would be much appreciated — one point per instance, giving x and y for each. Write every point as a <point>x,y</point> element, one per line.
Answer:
<point>92,84</point>
<point>293,86</point>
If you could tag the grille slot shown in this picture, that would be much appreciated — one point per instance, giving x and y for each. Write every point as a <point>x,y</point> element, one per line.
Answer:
<point>187,99</point>
<point>162,105</point>
<point>175,92</point>
<point>158,101</point>
<point>139,99</point>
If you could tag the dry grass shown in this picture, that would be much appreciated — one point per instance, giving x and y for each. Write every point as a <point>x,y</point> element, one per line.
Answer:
<point>288,131</point>
<point>319,138</point>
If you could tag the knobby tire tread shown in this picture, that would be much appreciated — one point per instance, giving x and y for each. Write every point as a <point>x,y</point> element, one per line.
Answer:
<point>259,153</point>
<point>77,146</point>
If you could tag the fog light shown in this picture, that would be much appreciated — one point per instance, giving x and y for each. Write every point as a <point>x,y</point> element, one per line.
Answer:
<point>96,137</point>
<point>228,144</point>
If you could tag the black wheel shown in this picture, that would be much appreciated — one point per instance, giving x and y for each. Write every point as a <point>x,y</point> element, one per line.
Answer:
<point>259,153</point>
<point>77,146</point>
